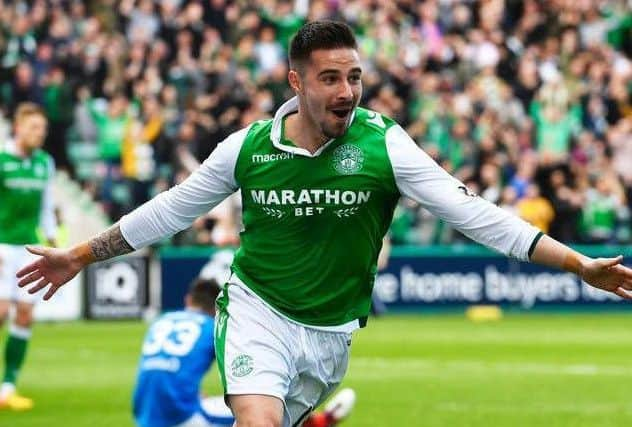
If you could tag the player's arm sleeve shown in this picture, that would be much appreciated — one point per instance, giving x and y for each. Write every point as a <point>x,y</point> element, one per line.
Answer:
<point>47,213</point>
<point>420,178</point>
<point>177,208</point>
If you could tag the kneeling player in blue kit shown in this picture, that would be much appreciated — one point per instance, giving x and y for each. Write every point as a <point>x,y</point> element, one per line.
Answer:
<point>176,354</point>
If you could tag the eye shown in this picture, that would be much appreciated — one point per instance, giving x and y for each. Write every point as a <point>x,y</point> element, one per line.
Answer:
<point>329,79</point>
<point>354,78</point>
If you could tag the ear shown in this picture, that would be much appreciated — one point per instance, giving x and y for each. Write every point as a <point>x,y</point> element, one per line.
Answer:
<point>294,78</point>
<point>187,300</point>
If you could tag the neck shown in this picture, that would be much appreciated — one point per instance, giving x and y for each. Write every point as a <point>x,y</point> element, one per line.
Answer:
<point>304,133</point>
<point>200,310</point>
<point>22,150</point>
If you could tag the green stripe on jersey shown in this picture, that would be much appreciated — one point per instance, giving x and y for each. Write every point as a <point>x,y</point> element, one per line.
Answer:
<point>220,334</point>
<point>313,226</point>
<point>22,185</point>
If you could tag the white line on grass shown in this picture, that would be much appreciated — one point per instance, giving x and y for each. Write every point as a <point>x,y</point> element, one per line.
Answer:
<point>368,367</point>
<point>534,408</point>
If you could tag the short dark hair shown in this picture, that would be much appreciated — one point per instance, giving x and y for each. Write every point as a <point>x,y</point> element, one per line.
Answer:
<point>203,293</point>
<point>319,35</point>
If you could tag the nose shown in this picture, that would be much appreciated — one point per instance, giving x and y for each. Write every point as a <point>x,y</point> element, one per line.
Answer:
<point>345,92</point>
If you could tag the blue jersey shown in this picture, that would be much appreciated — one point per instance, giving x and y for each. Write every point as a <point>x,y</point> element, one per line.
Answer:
<point>177,352</point>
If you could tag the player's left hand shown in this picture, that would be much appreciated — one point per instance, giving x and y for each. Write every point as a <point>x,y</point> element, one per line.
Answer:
<point>608,274</point>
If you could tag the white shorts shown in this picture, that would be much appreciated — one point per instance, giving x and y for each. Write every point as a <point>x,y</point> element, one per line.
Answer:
<point>261,352</point>
<point>12,259</point>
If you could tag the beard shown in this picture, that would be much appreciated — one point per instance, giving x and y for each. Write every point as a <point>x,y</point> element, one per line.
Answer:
<point>333,131</point>
<point>336,128</point>
<point>329,118</point>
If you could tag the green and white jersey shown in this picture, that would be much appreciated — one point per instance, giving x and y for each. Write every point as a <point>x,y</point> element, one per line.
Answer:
<point>313,223</point>
<point>25,196</point>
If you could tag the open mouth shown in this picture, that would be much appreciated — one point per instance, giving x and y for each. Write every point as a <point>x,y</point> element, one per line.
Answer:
<point>341,113</point>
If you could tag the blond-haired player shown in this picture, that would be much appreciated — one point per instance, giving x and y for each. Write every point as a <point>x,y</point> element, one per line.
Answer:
<point>25,195</point>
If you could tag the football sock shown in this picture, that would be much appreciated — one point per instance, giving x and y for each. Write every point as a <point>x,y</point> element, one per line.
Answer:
<point>15,352</point>
<point>319,419</point>
<point>6,389</point>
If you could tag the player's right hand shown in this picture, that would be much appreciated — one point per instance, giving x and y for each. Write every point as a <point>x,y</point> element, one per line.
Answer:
<point>55,267</point>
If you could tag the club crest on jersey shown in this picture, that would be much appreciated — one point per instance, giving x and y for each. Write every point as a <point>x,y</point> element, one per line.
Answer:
<point>242,365</point>
<point>348,159</point>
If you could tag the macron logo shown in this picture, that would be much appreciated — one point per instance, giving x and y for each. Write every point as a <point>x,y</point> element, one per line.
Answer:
<point>265,158</point>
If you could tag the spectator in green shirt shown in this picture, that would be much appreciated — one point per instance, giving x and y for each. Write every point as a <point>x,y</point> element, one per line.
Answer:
<point>599,214</point>
<point>111,124</point>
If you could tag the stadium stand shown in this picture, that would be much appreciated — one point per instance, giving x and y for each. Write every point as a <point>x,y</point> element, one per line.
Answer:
<point>527,102</point>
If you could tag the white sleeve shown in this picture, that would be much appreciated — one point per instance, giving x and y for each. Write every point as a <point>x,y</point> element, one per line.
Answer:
<point>177,208</point>
<point>420,178</point>
<point>47,214</point>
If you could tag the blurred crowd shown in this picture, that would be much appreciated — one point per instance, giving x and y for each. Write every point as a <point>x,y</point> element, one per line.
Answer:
<point>527,102</point>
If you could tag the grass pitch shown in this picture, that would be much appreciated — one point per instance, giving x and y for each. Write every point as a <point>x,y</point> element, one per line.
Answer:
<point>526,370</point>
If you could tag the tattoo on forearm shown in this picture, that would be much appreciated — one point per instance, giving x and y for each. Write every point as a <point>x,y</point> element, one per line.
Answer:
<point>109,244</point>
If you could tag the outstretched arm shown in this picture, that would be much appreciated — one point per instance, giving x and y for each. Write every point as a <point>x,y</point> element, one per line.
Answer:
<point>164,215</point>
<point>418,177</point>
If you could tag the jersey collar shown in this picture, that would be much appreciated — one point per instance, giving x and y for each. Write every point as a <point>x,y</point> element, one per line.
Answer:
<point>286,109</point>
<point>10,147</point>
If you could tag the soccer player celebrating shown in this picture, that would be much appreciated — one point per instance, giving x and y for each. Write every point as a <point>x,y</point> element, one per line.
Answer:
<point>319,184</point>
<point>26,173</point>
<point>176,354</point>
